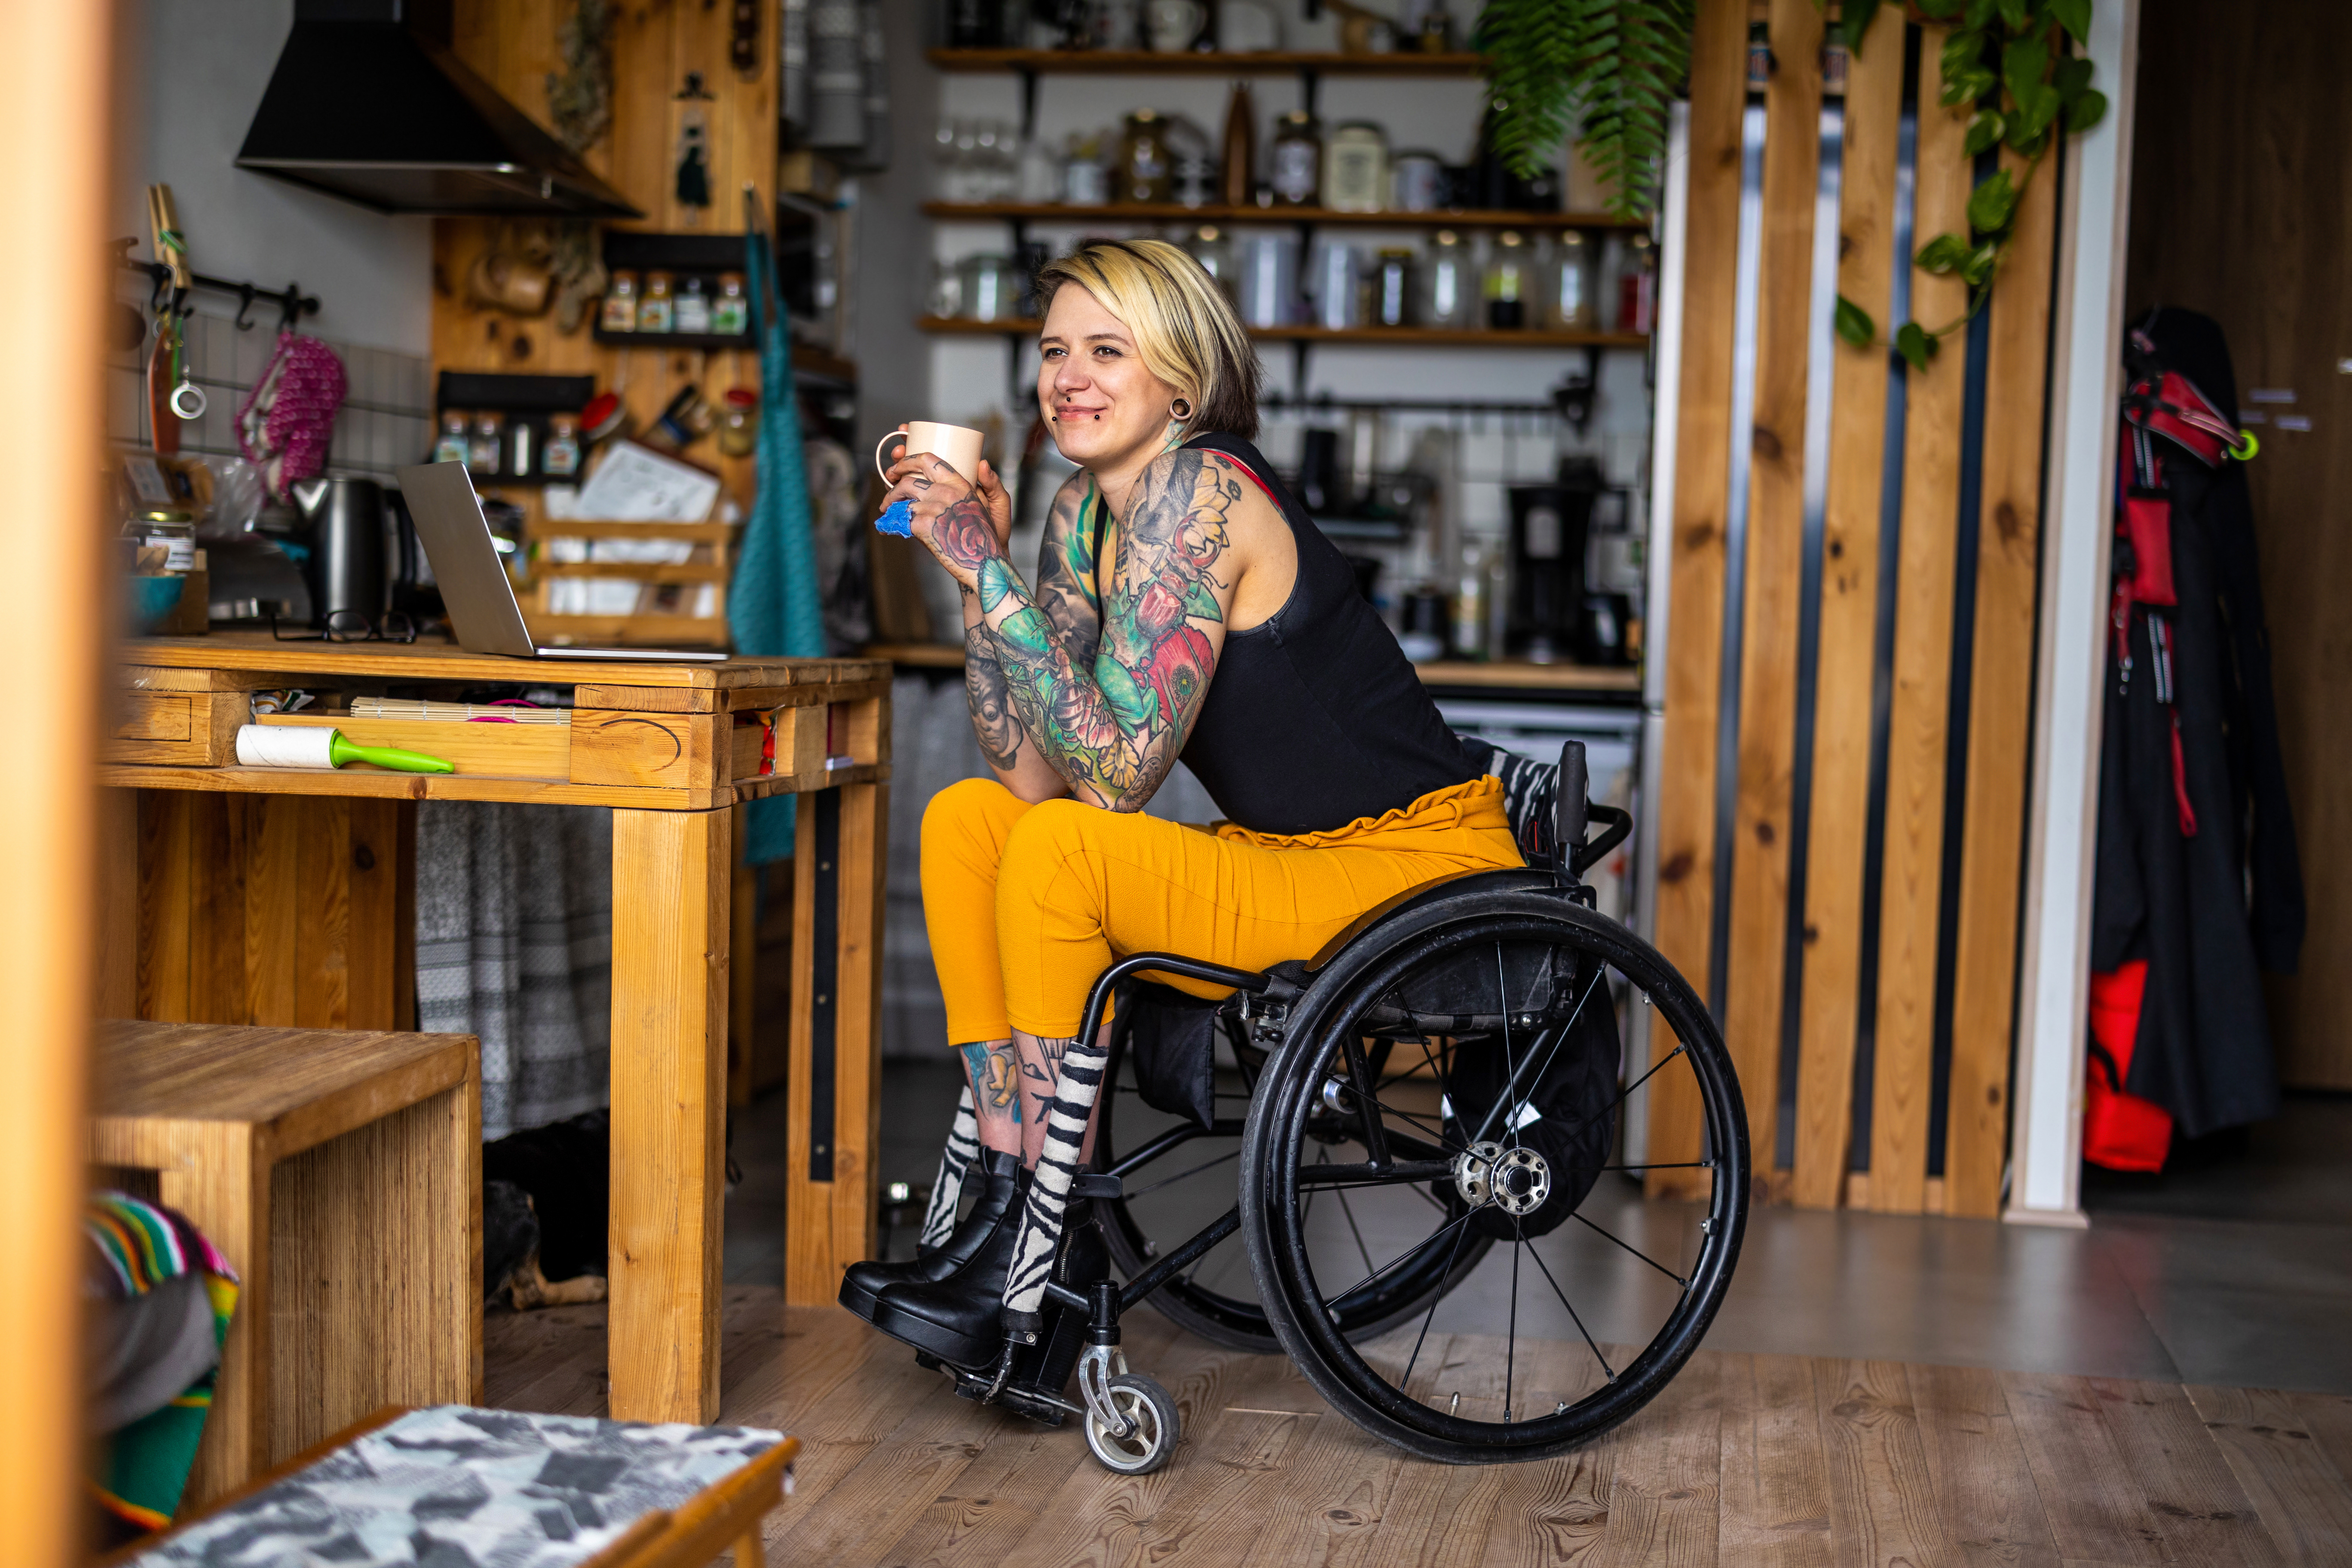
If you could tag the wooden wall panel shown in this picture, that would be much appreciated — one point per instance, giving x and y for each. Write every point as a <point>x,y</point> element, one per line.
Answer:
<point>1702,476</point>
<point>1757,962</point>
<point>1916,725</point>
<point>2000,704</point>
<point>1835,849</point>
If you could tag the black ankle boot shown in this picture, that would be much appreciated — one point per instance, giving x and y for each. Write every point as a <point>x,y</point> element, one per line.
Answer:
<point>1000,1174</point>
<point>959,1319</point>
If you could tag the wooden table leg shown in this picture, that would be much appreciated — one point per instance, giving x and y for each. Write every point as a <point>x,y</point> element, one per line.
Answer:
<point>224,1189</point>
<point>670,876</point>
<point>836,1123</point>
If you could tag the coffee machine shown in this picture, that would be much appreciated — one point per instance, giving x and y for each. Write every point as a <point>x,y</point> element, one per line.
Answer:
<point>1549,528</point>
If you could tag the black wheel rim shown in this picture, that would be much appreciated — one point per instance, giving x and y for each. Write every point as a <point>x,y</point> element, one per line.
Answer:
<point>1392,1386</point>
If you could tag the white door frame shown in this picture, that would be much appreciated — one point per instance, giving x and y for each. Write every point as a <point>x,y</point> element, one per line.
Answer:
<point>2087,341</point>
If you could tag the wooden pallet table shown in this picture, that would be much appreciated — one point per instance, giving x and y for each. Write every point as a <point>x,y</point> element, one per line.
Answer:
<point>235,895</point>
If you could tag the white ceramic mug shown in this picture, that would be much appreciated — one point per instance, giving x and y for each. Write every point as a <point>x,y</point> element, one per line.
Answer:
<point>1174,23</point>
<point>955,445</point>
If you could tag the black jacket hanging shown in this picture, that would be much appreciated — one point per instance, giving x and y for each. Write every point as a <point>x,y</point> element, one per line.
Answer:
<point>2197,871</point>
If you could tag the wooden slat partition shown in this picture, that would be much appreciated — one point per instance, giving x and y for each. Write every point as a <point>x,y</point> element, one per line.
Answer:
<point>2001,698</point>
<point>1882,709</point>
<point>1702,480</point>
<point>1828,1009</point>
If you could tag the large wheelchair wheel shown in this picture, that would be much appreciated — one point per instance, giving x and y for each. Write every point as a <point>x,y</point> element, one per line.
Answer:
<point>1454,1071</point>
<point>1186,1179</point>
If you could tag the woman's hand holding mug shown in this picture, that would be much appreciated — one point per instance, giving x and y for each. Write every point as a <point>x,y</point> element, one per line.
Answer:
<point>963,521</point>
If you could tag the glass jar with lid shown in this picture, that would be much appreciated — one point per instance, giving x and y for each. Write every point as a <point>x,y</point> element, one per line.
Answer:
<point>731,313</point>
<point>1393,303</point>
<point>1447,284</point>
<point>1144,174</point>
<point>453,447</point>
<point>1356,168</point>
<point>620,312</point>
<point>988,288</point>
<point>738,422</point>
<point>1208,246</point>
<point>486,452</point>
<point>693,307</point>
<point>1508,278</point>
<point>1295,160</point>
<point>657,311</point>
<point>1571,283</point>
<point>560,459</point>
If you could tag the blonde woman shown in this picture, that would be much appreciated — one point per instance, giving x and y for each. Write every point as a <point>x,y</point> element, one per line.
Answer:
<point>1185,607</point>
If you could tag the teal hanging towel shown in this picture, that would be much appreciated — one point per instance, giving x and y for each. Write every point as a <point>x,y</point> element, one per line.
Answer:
<point>772,605</point>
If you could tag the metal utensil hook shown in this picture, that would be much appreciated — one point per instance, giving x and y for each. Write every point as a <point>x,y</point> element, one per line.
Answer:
<point>290,311</point>
<point>245,292</point>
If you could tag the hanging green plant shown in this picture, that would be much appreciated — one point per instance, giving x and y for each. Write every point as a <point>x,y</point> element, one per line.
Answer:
<point>1619,63</point>
<point>2010,67</point>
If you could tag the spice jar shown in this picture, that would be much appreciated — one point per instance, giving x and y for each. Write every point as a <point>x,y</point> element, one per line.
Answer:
<point>1084,182</point>
<point>739,423</point>
<point>1506,282</point>
<point>483,454</point>
<point>1571,283</point>
<point>621,303</point>
<point>1356,168</point>
<point>1296,159</point>
<point>693,307</point>
<point>656,311</point>
<point>1447,285</point>
<point>453,447</point>
<point>560,457</point>
<point>1143,159</point>
<point>1392,289</point>
<point>1208,246</point>
<point>730,313</point>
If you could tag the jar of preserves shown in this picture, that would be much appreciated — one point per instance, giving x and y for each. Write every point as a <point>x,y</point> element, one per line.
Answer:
<point>730,313</point>
<point>1296,159</point>
<point>738,422</point>
<point>620,312</point>
<point>656,311</point>
<point>1508,282</point>
<point>560,456</point>
<point>1447,287</point>
<point>1145,172</point>
<point>1356,168</point>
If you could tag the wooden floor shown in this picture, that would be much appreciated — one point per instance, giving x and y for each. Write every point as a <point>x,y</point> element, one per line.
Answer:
<point>1761,1460</point>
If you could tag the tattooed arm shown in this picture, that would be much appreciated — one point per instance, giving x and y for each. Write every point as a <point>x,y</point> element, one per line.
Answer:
<point>1113,729</point>
<point>1066,595</point>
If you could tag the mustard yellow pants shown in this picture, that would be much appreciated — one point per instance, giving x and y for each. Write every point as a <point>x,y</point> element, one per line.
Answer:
<point>1026,905</point>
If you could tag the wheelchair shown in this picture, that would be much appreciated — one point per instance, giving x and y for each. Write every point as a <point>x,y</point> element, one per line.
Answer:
<point>1415,1107</point>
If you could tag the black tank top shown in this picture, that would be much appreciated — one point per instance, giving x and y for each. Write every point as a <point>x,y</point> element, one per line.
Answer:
<point>1315,716</point>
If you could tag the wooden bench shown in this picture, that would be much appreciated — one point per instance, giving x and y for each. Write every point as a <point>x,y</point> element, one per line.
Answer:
<point>728,1512</point>
<point>340,1172</point>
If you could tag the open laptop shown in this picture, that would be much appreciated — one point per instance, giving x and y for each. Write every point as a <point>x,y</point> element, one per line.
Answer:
<point>474,584</point>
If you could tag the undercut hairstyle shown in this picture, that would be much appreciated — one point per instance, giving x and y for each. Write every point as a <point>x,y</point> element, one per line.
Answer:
<point>1183,326</point>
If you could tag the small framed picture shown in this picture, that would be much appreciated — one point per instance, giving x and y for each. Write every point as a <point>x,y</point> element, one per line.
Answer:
<point>145,474</point>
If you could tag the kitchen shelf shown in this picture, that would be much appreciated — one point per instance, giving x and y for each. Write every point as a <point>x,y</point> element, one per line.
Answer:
<point>707,342</point>
<point>1512,675</point>
<point>1159,212</point>
<point>1150,63</point>
<point>1385,337</point>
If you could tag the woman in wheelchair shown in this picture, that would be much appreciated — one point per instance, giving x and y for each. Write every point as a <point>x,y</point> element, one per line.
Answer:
<point>1183,605</point>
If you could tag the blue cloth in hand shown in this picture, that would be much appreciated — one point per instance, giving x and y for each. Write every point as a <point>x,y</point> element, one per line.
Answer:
<point>897,518</point>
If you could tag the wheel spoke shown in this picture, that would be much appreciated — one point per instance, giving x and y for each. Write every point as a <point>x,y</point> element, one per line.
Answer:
<point>1165,1181</point>
<point>1599,974</point>
<point>1393,1174</point>
<point>1635,1251</point>
<point>1364,1251</point>
<point>1335,1303</point>
<point>1572,1316</point>
<point>1511,1335</point>
<point>1430,1316</point>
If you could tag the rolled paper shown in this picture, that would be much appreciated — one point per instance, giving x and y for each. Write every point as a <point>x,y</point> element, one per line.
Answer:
<point>897,520</point>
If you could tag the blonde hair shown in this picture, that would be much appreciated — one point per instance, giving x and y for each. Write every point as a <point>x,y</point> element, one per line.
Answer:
<point>1184,328</point>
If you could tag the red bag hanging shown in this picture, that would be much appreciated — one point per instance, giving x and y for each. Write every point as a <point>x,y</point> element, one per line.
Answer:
<point>2121,1132</point>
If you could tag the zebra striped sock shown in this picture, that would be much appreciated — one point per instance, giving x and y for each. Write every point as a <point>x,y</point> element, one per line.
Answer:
<point>946,1190</point>
<point>1049,1194</point>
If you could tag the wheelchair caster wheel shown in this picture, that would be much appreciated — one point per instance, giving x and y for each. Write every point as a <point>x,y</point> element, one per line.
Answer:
<point>1153,1427</point>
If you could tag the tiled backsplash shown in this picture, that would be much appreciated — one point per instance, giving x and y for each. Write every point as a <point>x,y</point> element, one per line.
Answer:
<point>386,418</point>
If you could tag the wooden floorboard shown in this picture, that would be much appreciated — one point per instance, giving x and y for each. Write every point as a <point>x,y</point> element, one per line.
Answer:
<point>1743,1459</point>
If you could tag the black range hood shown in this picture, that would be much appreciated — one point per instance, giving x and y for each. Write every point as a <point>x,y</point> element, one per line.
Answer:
<point>368,103</point>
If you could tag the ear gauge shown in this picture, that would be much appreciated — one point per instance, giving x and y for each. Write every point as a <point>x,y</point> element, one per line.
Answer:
<point>1180,410</point>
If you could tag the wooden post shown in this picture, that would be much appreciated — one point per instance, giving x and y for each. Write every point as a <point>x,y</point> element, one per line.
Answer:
<point>671,871</point>
<point>837,1038</point>
<point>224,1193</point>
<point>57,85</point>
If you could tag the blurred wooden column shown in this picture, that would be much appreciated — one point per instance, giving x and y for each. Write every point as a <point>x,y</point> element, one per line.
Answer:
<point>55,85</point>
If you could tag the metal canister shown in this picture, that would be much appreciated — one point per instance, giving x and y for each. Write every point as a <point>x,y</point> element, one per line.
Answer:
<point>1267,271</point>
<point>1420,182</point>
